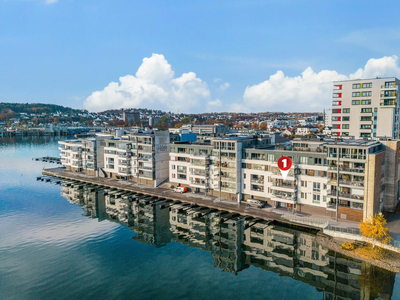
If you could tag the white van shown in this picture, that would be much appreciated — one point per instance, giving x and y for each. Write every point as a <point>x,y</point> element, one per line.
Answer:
<point>181,189</point>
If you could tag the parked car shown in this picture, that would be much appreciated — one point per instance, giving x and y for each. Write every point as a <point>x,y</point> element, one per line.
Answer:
<point>181,189</point>
<point>255,203</point>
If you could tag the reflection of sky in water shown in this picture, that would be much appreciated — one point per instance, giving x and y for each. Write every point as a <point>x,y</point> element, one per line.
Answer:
<point>49,250</point>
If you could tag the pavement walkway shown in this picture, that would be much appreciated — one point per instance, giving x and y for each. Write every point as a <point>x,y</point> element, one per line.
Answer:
<point>201,199</point>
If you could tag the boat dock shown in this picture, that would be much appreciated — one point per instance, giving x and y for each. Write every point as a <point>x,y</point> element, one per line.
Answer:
<point>123,189</point>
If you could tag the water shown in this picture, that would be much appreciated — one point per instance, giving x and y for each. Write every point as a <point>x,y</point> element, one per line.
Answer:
<point>68,243</point>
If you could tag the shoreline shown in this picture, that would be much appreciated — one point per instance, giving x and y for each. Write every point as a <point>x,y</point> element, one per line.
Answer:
<point>330,242</point>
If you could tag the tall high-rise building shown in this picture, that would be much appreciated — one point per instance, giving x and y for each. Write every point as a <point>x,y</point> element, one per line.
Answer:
<point>366,108</point>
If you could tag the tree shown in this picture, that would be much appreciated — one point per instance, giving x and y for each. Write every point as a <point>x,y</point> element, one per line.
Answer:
<point>375,229</point>
<point>263,126</point>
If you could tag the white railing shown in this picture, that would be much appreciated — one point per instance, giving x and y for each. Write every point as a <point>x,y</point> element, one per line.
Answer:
<point>306,220</point>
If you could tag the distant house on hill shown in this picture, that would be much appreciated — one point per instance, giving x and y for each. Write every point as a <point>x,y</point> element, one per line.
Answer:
<point>305,130</point>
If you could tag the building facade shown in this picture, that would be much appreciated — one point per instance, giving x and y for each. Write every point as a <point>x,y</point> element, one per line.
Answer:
<point>366,108</point>
<point>139,157</point>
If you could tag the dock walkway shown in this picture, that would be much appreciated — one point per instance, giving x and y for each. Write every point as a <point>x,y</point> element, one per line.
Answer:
<point>199,199</point>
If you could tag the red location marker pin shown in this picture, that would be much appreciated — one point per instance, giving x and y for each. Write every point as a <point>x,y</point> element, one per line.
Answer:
<point>284,164</point>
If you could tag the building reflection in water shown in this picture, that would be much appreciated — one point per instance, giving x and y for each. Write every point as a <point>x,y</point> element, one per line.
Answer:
<point>235,242</point>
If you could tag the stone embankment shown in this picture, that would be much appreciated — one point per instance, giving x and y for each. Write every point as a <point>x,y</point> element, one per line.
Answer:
<point>390,261</point>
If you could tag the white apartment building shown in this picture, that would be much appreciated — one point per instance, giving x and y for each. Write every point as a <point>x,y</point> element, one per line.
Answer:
<point>366,108</point>
<point>83,155</point>
<point>335,176</point>
<point>139,157</point>
<point>328,117</point>
<point>213,166</point>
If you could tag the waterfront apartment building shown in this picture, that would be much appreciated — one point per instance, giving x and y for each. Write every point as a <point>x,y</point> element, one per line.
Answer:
<point>366,108</point>
<point>214,165</point>
<point>350,179</point>
<point>138,157</point>
<point>83,155</point>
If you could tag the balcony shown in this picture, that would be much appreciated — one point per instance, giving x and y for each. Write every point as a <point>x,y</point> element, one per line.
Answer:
<point>388,95</point>
<point>257,181</point>
<point>389,87</point>
<point>203,174</point>
<point>201,183</point>
<point>331,192</point>
<point>351,196</point>
<point>351,182</point>
<point>351,170</point>
<point>228,179</point>
<point>288,198</point>
<point>257,188</point>
<point>331,206</point>
<point>145,167</point>
<point>289,185</point>
<point>388,103</point>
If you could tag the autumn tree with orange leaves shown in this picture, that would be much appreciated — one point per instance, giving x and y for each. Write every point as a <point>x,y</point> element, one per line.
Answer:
<point>375,228</point>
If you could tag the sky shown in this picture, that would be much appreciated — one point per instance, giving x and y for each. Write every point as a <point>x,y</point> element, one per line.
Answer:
<point>193,56</point>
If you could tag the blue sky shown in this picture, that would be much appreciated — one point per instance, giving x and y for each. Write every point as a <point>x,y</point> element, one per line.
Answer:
<point>193,56</point>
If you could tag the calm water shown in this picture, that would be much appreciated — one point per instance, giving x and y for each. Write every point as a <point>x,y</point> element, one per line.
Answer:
<point>76,242</point>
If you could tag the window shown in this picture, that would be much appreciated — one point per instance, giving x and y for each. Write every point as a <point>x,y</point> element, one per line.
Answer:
<point>367,85</point>
<point>336,111</point>
<point>336,126</point>
<point>316,198</point>
<point>365,134</point>
<point>346,110</point>
<point>366,110</point>
<point>356,86</point>
<point>173,167</point>
<point>303,195</point>
<point>244,175</point>
<point>336,103</point>
<point>337,95</point>
<point>335,118</point>
<point>356,94</point>
<point>345,133</point>
<point>365,118</point>
<point>304,160</point>
<point>173,175</point>
<point>304,183</point>
<point>317,161</point>
<point>366,94</point>
<point>361,102</point>
<point>365,126</point>
<point>345,126</point>
<point>346,118</point>
<point>316,187</point>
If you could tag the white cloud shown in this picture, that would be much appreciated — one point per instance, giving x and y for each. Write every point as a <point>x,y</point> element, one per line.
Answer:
<point>217,80</point>
<point>310,91</point>
<point>215,103</point>
<point>153,86</point>
<point>51,1</point>
<point>224,86</point>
